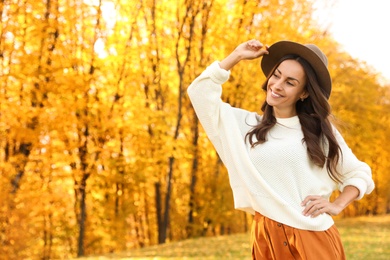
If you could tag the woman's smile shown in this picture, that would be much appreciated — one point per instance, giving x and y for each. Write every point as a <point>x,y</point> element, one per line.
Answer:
<point>275,95</point>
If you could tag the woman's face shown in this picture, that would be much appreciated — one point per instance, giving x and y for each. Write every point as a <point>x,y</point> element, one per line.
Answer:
<point>285,87</point>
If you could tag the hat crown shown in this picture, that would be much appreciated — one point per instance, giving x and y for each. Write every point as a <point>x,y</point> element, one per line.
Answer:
<point>319,53</point>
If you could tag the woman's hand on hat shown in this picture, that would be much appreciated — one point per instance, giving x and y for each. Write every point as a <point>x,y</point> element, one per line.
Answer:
<point>251,50</point>
<point>245,51</point>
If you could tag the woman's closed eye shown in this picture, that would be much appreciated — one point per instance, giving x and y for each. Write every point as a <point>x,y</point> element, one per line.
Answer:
<point>290,83</point>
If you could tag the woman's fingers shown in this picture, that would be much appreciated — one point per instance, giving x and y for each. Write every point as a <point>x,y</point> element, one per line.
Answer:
<point>314,206</point>
<point>254,44</point>
<point>251,49</point>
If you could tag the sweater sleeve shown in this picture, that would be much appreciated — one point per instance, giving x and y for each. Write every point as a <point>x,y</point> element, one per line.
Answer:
<point>214,114</point>
<point>354,172</point>
<point>205,95</point>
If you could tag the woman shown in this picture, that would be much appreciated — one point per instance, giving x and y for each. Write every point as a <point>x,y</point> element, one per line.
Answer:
<point>284,164</point>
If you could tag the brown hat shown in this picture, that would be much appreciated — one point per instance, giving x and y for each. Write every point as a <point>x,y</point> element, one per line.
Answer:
<point>310,52</point>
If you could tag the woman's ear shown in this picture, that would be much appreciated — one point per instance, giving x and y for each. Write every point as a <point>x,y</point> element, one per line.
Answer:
<point>304,95</point>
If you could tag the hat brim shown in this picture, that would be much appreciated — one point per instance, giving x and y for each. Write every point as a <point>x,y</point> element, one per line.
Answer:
<point>280,49</point>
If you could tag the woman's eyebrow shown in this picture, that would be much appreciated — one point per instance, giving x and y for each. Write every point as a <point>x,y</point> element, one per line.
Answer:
<point>290,78</point>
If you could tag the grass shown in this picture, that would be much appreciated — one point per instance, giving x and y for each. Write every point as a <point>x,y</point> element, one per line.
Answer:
<point>364,238</point>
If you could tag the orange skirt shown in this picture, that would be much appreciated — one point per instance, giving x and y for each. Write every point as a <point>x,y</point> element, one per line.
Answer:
<point>273,240</point>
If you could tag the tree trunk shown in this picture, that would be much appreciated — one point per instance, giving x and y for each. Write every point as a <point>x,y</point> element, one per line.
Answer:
<point>160,226</point>
<point>83,215</point>
<point>24,150</point>
<point>81,187</point>
<point>194,170</point>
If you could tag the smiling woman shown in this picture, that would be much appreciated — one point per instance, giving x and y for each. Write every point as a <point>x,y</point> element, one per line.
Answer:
<point>285,164</point>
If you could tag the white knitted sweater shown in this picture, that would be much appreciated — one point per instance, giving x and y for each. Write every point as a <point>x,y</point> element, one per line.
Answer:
<point>274,177</point>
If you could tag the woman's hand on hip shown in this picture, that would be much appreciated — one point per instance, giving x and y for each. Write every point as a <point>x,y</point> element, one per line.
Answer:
<point>317,205</point>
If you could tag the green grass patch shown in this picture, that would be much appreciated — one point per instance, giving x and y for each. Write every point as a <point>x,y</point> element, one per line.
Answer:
<point>364,238</point>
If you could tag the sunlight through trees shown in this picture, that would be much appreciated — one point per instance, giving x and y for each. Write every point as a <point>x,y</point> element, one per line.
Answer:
<point>100,149</point>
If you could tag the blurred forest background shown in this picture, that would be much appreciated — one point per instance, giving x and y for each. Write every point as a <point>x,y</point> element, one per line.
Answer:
<point>100,149</point>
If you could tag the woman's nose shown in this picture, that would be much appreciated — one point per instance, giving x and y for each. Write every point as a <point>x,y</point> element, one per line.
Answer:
<point>278,84</point>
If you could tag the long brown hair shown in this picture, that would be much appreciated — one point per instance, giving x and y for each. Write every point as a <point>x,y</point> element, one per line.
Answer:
<point>313,113</point>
